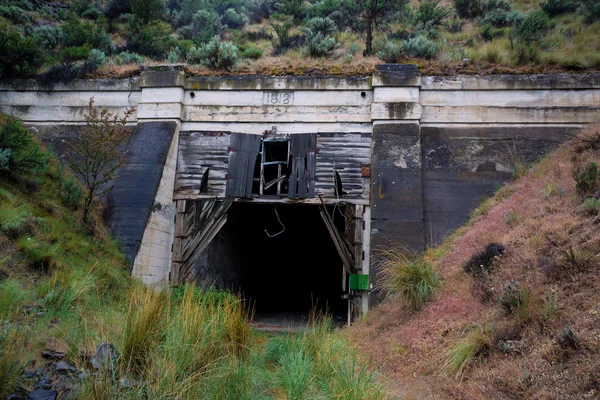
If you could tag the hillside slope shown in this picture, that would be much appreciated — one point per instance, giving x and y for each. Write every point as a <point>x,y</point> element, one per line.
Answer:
<point>75,325</point>
<point>525,322</point>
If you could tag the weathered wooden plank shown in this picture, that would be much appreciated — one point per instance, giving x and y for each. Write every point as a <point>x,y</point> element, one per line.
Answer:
<point>346,154</point>
<point>243,151</point>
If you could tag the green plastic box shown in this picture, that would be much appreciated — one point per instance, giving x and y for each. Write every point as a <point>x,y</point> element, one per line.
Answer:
<point>359,282</point>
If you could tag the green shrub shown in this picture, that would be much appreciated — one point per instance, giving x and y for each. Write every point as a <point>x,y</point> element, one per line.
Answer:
<point>428,30</point>
<point>97,57</point>
<point>567,339</point>
<point>488,32</point>
<point>115,8</point>
<point>127,57</point>
<point>71,192</point>
<point>293,8</point>
<point>152,40</point>
<point>74,53</point>
<point>319,43</point>
<point>19,55</point>
<point>320,46</point>
<point>14,14</point>
<point>420,47</point>
<point>469,8</point>
<point>525,53</point>
<point>24,156</point>
<point>429,11</point>
<point>175,55</point>
<point>354,48</point>
<point>78,33</point>
<point>533,28</point>
<point>476,344</point>
<point>325,26</point>
<point>252,52</point>
<point>592,206</point>
<point>501,18</point>
<point>204,25</point>
<point>391,52</point>
<point>559,7</point>
<point>586,178</point>
<point>216,54</point>
<point>48,36</point>
<point>284,40</point>
<point>592,11</point>
<point>410,276</point>
<point>455,25</point>
<point>147,11</point>
<point>515,300</point>
<point>86,8</point>
<point>234,19</point>
<point>549,305</point>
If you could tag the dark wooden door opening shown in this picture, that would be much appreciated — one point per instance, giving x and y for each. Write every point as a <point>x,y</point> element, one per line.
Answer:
<point>279,257</point>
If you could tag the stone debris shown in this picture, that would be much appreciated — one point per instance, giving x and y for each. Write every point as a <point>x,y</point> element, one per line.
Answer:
<point>53,355</point>
<point>43,395</point>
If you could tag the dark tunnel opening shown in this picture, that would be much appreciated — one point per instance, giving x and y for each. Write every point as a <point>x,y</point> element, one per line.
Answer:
<point>283,269</point>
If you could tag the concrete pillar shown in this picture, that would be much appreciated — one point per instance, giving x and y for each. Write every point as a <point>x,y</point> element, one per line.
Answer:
<point>396,186</point>
<point>161,102</point>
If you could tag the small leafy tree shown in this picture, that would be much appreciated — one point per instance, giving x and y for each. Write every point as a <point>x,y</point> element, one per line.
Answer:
<point>367,16</point>
<point>96,153</point>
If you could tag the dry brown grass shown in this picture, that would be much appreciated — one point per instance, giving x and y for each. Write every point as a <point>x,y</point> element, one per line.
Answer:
<point>552,246</point>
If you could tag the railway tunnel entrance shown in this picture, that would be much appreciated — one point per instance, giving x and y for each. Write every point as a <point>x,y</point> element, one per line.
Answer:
<point>280,257</point>
<point>281,222</point>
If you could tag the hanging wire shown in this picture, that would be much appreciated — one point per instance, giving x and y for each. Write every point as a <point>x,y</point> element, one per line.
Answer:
<point>281,223</point>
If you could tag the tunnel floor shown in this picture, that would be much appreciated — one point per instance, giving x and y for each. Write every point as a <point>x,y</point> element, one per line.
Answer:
<point>283,260</point>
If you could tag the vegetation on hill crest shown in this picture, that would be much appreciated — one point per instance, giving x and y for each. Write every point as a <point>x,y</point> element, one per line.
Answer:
<point>113,38</point>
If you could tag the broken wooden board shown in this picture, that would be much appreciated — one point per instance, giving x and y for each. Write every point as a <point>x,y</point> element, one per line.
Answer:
<point>243,152</point>
<point>196,225</point>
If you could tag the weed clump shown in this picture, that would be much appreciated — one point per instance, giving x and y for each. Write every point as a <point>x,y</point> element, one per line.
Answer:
<point>474,345</point>
<point>482,263</point>
<point>586,178</point>
<point>515,300</point>
<point>567,339</point>
<point>410,276</point>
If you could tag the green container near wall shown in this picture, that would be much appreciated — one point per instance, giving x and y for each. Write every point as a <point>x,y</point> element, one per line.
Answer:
<point>359,282</point>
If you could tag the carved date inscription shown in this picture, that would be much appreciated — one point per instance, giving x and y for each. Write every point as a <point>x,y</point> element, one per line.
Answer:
<point>278,98</point>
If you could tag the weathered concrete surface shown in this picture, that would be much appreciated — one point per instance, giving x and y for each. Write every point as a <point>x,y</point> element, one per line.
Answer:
<point>512,82</point>
<point>132,197</point>
<point>153,260</point>
<point>278,83</point>
<point>464,164</point>
<point>396,195</point>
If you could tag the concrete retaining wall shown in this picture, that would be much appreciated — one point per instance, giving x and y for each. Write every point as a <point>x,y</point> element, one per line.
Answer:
<point>439,144</point>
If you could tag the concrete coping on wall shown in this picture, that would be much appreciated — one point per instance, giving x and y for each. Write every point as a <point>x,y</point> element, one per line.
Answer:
<point>79,85</point>
<point>385,75</point>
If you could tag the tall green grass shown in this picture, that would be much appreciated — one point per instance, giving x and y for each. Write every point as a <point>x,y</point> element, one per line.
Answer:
<point>460,356</point>
<point>409,275</point>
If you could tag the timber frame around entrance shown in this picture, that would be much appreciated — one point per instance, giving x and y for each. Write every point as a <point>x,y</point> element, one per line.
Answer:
<point>318,169</point>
